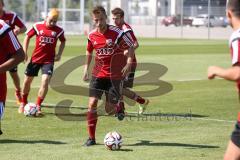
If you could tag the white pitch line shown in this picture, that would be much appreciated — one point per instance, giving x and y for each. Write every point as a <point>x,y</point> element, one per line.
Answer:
<point>211,119</point>
<point>31,87</point>
<point>196,118</point>
<point>45,104</point>
<point>194,79</point>
<point>204,119</point>
<point>187,80</point>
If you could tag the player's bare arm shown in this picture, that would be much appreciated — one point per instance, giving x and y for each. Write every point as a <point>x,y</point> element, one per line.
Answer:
<point>127,68</point>
<point>231,74</point>
<point>18,31</point>
<point>60,51</point>
<point>13,61</point>
<point>135,45</point>
<point>86,67</point>
<point>25,47</point>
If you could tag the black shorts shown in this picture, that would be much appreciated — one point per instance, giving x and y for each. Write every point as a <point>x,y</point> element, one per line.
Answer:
<point>236,135</point>
<point>33,69</point>
<point>112,89</point>
<point>14,69</point>
<point>128,81</point>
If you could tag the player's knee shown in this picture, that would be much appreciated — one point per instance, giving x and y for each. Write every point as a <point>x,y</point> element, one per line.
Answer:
<point>27,81</point>
<point>92,103</point>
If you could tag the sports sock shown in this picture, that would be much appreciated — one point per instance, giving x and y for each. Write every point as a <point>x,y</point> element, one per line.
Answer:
<point>92,122</point>
<point>1,114</point>
<point>24,98</point>
<point>120,107</point>
<point>1,110</point>
<point>39,101</point>
<point>18,93</point>
<point>139,99</point>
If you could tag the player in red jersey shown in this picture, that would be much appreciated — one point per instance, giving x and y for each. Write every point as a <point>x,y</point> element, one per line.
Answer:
<point>11,54</point>
<point>18,27</point>
<point>109,43</point>
<point>118,19</point>
<point>47,33</point>
<point>232,73</point>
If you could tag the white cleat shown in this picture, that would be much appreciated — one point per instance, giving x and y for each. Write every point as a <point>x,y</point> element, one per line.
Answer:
<point>21,108</point>
<point>143,107</point>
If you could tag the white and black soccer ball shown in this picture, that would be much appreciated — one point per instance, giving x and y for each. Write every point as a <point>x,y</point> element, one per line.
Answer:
<point>30,109</point>
<point>113,141</point>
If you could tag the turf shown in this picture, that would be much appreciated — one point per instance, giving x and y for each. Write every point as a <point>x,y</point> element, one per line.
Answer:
<point>192,121</point>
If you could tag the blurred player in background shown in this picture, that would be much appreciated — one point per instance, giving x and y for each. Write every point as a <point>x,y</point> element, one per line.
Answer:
<point>18,27</point>
<point>47,34</point>
<point>11,54</point>
<point>109,69</point>
<point>118,19</point>
<point>232,73</point>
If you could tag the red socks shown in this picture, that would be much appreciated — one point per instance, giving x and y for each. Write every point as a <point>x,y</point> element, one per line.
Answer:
<point>39,101</point>
<point>139,99</point>
<point>24,99</point>
<point>92,122</point>
<point>18,93</point>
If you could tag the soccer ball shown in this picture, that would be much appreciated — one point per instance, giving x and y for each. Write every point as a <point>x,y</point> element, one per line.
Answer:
<point>30,109</point>
<point>113,140</point>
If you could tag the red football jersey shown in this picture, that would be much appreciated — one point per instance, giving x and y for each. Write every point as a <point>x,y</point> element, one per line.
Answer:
<point>12,20</point>
<point>46,41</point>
<point>9,46</point>
<point>234,44</point>
<point>109,47</point>
<point>130,34</point>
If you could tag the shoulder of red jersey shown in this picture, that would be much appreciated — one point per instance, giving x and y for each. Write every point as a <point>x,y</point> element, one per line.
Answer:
<point>235,36</point>
<point>59,30</point>
<point>126,28</point>
<point>116,29</point>
<point>36,26</point>
<point>91,33</point>
<point>11,15</point>
<point>3,27</point>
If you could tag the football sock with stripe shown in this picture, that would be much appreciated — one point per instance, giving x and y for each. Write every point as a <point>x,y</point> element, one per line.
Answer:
<point>39,101</point>
<point>92,117</point>
<point>139,99</point>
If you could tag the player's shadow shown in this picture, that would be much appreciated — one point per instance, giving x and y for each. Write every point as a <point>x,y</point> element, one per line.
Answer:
<point>159,144</point>
<point>63,106</point>
<point>119,150</point>
<point>124,150</point>
<point>2,141</point>
<point>162,116</point>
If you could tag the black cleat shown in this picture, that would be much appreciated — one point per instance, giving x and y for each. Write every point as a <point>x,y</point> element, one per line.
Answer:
<point>120,116</point>
<point>90,142</point>
<point>1,132</point>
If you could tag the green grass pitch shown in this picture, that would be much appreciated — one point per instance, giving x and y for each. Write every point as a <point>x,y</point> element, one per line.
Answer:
<point>194,119</point>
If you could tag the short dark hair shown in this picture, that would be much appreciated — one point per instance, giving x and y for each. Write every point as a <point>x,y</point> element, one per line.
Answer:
<point>117,11</point>
<point>234,6</point>
<point>98,10</point>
